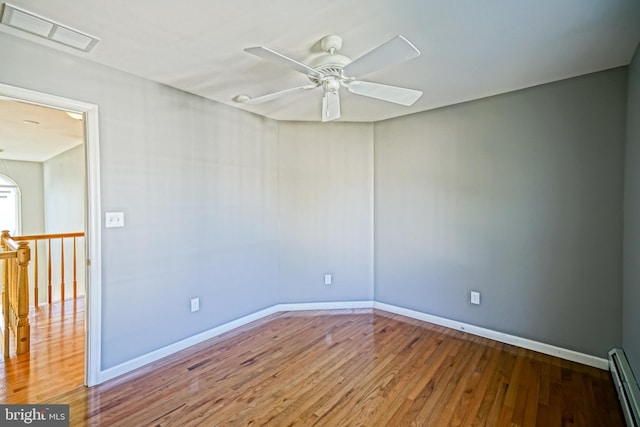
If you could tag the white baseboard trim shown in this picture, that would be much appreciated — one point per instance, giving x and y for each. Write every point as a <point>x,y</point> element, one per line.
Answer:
<point>339,305</point>
<point>563,353</point>
<point>153,356</point>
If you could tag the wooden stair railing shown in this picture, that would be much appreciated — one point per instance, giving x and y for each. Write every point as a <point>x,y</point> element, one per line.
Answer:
<point>35,238</point>
<point>15,258</point>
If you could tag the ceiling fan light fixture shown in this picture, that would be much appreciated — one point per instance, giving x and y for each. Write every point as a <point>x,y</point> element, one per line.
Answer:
<point>40,26</point>
<point>332,85</point>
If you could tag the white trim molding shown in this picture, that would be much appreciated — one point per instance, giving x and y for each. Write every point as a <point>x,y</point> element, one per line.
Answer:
<point>563,353</point>
<point>339,305</point>
<point>93,230</point>
<point>145,359</point>
<point>156,355</point>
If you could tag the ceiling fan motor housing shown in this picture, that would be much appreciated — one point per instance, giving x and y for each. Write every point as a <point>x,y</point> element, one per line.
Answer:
<point>329,65</point>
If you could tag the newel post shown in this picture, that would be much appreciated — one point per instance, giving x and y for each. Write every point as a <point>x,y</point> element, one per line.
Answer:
<point>23,332</point>
<point>5,295</point>
<point>5,235</point>
<point>5,267</point>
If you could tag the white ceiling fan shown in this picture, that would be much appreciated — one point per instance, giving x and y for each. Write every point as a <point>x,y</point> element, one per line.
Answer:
<point>332,71</point>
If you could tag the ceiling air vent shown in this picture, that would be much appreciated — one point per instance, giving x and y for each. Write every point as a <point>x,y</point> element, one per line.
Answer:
<point>29,22</point>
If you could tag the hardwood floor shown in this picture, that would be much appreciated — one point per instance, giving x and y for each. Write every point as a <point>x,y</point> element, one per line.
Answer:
<point>55,363</point>
<point>343,368</point>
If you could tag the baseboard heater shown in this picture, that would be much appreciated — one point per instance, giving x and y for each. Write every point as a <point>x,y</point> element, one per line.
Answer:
<point>626,385</point>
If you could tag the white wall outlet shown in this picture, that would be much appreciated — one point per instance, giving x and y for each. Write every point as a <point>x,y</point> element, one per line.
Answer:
<point>327,279</point>
<point>195,304</point>
<point>113,219</point>
<point>475,297</point>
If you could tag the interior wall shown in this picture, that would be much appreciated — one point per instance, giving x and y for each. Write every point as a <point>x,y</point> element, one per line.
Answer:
<point>325,211</point>
<point>64,190</point>
<point>631,291</point>
<point>518,196</point>
<point>213,202</point>
<point>197,182</point>
<point>64,212</point>
<point>28,177</point>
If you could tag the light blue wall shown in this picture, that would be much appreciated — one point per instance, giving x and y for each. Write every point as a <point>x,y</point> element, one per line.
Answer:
<point>64,212</point>
<point>28,177</point>
<point>326,202</point>
<point>212,201</point>
<point>64,191</point>
<point>518,196</point>
<point>197,182</point>
<point>631,291</point>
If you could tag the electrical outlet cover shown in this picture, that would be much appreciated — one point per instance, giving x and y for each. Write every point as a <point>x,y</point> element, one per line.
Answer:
<point>475,297</point>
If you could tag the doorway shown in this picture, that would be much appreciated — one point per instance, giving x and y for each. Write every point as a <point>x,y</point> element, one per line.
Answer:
<point>92,215</point>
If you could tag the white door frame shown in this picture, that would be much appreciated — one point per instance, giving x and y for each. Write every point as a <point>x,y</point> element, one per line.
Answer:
<point>93,295</point>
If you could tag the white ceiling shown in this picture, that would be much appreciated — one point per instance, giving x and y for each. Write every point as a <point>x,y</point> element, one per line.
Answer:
<point>470,49</point>
<point>33,133</point>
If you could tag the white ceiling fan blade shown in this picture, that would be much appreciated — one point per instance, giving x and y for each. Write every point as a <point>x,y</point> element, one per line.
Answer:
<point>396,94</point>
<point>274,95</point>
<point>330,106</point>
<point>266,53</point>
<point>392,52</point>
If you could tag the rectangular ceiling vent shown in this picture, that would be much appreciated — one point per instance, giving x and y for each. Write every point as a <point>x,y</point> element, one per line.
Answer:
<point>29,22</point>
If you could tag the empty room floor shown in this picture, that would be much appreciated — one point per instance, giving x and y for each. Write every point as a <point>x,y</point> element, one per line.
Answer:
<point>349,367</point>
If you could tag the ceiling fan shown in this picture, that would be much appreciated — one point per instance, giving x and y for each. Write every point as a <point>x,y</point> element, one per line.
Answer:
<point>331,71</point>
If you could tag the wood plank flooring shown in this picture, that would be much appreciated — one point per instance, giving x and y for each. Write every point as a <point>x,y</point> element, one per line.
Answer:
<point>347,368</point>
<point>55,363</point>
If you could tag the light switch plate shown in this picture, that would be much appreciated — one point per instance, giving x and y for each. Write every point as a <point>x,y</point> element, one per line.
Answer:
<point>113,219</point>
